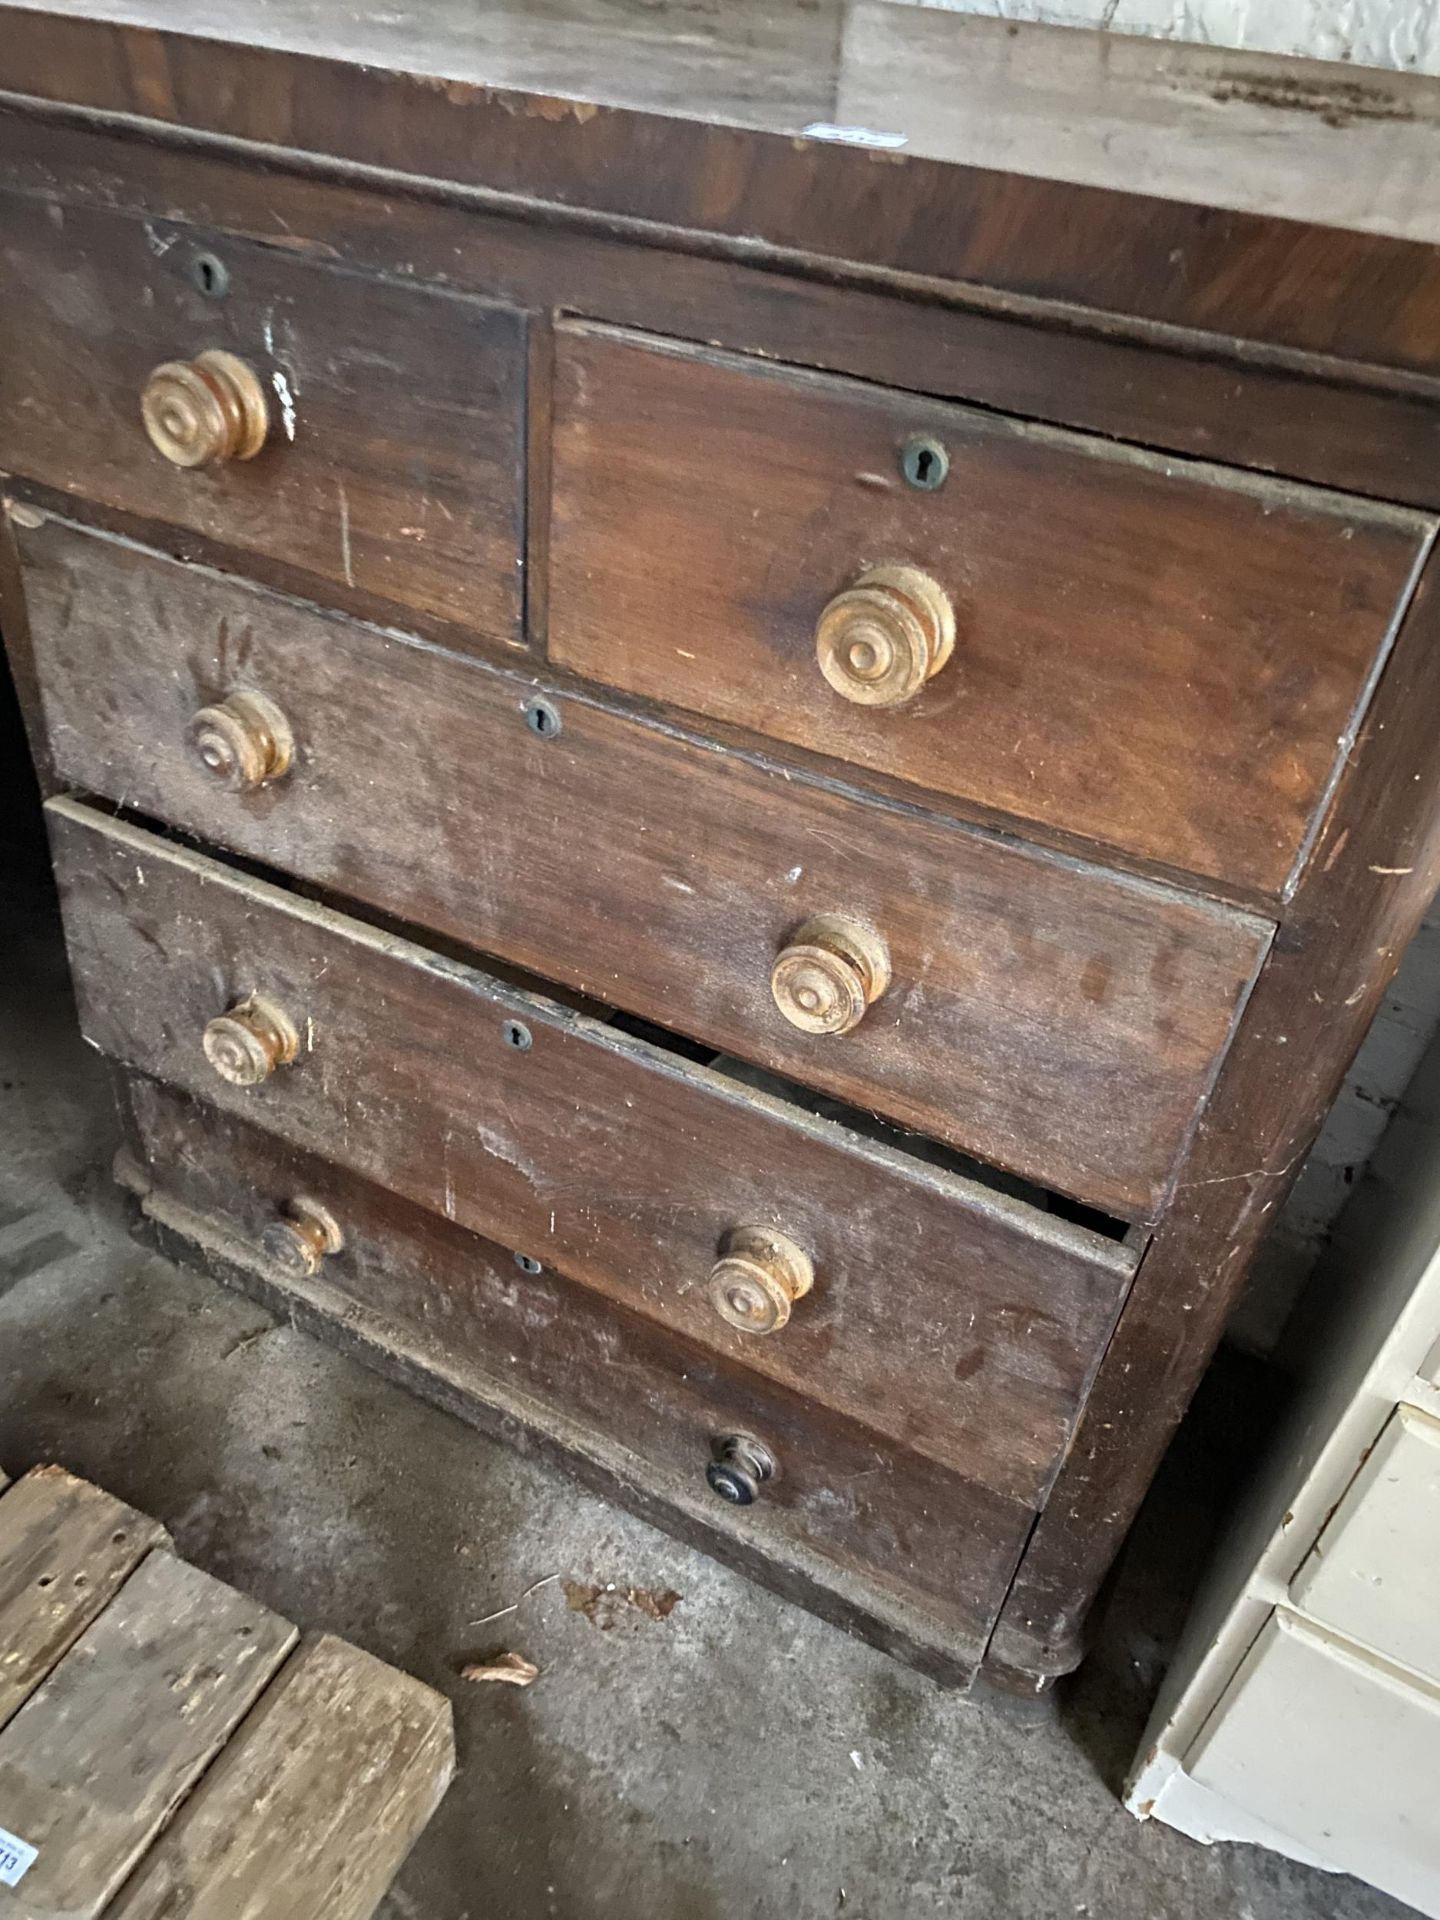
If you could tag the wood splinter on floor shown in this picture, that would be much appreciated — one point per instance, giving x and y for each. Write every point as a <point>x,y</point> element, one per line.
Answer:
<point>509,1669</point>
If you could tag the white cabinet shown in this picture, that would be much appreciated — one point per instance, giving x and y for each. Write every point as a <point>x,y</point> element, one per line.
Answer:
<point>1333,1749</point>
<point>1374,1573</point>
<point>1302,1711</point>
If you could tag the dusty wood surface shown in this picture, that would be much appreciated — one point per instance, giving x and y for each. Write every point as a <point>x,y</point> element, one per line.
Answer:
<point>1025,990</point>
<point>99,1757</point>
<point>65,1549</point>
<point>313,1804</point>
<point>623,1165</point>
<point>1372,876</point>
<point>1321,422</point>
<point>352,368</point>
<point>867,1533</point>
<point>1284,344</point>
<point>1170,660</point>
<point>1312,149</point>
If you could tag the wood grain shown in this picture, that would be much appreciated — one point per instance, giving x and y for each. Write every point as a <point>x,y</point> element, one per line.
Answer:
<point>1323,421</point>
<point>1052,1019</point>
<point>97,1760</point>
<point>313,1805</point>
<point>1372,876</point>
<point>867,1533</point>
<point>1293,282</point>
<point>65,1549</point>
<point>956,1319</point>
<point>404,476</point>
<point>1170,660</point>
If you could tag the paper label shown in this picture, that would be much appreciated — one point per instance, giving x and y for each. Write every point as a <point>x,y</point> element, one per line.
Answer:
<point>16,1859</point>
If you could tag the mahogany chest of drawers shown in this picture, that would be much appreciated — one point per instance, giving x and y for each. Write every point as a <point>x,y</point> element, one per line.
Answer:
<point>730,785</point>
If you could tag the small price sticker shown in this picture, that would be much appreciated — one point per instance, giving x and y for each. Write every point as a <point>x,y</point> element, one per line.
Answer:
<point>17,1856</point>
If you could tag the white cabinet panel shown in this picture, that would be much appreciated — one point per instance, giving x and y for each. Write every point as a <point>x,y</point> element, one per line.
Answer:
<point>1337,1752</point>
<point>1375,1571</point>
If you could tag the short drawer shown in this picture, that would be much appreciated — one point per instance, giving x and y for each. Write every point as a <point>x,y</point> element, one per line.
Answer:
<point>393,453</point>
<point>1047,1017</point>
<point>1374,1573</point>
<point>1156,655</point>
<point>957,1320</point>
<point>871,1534</point>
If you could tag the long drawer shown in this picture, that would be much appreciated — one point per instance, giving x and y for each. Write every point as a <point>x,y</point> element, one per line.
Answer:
<point>1047,1017</point>
<point>392,460</point>
<point>1151,653</point>
<point>957,1320</point>
<point>877,1537</point>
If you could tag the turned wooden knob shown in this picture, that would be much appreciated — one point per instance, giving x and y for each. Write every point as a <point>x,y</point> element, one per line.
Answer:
<point>305,1234</point>
<point>248,1043</point>
<point>758,1278</point>
<point>829,974</point>
<point>202,411</point>
<point>244,742</point>
<point>879,641</point>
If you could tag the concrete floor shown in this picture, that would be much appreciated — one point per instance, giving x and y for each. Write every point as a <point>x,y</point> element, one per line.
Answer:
<point>733,1761</point>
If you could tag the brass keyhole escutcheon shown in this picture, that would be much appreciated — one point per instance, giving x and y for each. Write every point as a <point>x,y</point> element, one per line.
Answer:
<point>829,974</point>
<point>202,412</point>
<point>243,742</point>
<point>304,1235</point>
<point>880,640</point>
<point>247,1044</point>
<point>758,1278</point>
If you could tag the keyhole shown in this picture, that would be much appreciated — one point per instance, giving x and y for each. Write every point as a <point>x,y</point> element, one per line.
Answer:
<point>542,718</point>
<point>924,463</point>
<point>210,275</point>
<point>516,1034</point>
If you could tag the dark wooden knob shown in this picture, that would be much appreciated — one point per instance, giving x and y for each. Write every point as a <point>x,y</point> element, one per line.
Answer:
<point>244,742</point>
<point>248,1043</point>
<point>880,640</point>
<point>201,412</point>
<point>739,1467</point>
<point>305,1235</point>
<point>826,977</point>
<point>758,1278</point>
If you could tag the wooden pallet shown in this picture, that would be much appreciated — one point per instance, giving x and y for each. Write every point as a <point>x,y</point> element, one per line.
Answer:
<point>172,1750</point>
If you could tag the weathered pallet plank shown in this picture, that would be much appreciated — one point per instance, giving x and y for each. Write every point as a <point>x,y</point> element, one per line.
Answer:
<point>98,1759</point>
<point>313,1804</point>
<point>65,1549</point>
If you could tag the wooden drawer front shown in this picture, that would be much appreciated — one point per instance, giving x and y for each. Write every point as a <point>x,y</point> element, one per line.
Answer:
<point>1052,1019</point>
<point>395,456</point>
<point>953,1318</point>
<point>532,1354</point>
<point>1161,657</point>
<point>1375,1572</point>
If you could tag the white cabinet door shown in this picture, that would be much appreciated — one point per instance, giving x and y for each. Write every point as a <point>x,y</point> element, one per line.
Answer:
<point>1336,1751</point>
<point>1374,1574</point>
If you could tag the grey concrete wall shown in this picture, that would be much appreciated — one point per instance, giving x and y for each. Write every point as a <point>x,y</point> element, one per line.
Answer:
<point>1372,33</point>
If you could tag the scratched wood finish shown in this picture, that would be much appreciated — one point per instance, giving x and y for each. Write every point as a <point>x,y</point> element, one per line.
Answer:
<point>313,1805</point>
<point>403,478</point>
<point>1166,659</point>
<point>1294,282</point>
<point>952,1317</point>
<point>65,1550</point>
<point>1276,344</point>
<point>878,1538</point>
<point>98,1758</point>
<point>1372,877</point>
<point>1056,1020</point>
<point>1311,423</point>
